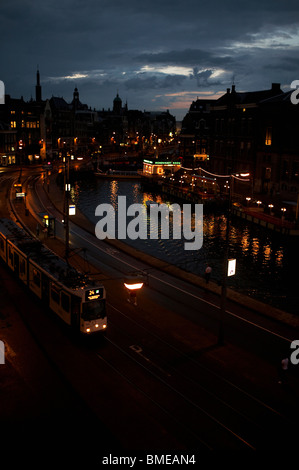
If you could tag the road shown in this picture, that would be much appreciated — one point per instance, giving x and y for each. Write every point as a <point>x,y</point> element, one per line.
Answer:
<point>159,379</point>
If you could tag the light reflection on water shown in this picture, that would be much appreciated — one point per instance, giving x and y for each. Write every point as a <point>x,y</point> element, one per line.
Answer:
<point>265,261</point>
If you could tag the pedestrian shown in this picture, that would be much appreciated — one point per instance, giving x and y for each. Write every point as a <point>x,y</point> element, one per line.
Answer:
<point>284,367</point>
<point>208,273</point>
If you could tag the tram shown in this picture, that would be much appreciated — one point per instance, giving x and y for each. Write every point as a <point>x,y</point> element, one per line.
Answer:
<point>79,301</point>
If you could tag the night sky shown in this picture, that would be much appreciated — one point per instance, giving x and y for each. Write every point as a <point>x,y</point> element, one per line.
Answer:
<point>157,55</point>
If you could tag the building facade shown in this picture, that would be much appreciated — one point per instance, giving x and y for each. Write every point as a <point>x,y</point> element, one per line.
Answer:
<point>246,132</point>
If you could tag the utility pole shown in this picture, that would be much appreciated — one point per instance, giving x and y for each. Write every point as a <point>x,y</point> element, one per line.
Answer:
<point>66,192</point>
<point>225,266</point>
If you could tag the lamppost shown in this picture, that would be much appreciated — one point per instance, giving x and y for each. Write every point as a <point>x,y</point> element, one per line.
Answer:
<point>225,270</point>
<point>66,204</point>
<point>133,283</point>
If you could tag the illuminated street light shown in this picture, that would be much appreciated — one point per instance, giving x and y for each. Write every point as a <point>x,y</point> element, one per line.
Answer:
<point>229,266</point>
<point>135,286</point>
<point>133,283</point>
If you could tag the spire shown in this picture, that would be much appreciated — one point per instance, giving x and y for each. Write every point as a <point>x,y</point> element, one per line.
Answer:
<point>76,101</point>
<point>38,88</point>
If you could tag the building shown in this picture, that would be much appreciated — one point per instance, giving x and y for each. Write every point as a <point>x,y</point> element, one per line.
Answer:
<point>277,156</point>
<point>8,145</point>
<point>24,118</point>
<point>45,129</point>
<point>246,132</point>
<point>195,134</point>
<point>134,129</point>
<point>157,168</point>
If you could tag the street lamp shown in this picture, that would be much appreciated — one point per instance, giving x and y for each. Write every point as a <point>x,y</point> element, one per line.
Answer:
<point>226,270</point>
<point>66,204</point>
<point>133,283</point>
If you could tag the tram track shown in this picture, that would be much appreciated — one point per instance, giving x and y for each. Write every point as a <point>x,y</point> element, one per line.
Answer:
<point>121,360</point>
<point>253,422</point>
<point>181,409</point>
<point>189,433</point>
<point>185,356</point>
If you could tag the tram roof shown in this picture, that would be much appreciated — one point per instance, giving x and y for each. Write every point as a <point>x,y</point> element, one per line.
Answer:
<point>43,256</point>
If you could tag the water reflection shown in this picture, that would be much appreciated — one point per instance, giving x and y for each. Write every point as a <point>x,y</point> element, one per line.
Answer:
<point>113,190</point>
<point>265,261</point>
<point>245,241</point>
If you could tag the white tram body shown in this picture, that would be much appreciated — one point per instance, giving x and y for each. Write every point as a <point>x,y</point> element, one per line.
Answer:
<point>77,300</point>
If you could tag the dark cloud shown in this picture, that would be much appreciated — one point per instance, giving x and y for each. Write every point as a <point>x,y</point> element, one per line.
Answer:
<point>185,57</point>
<point>154,82</point>
<point>140,48</point>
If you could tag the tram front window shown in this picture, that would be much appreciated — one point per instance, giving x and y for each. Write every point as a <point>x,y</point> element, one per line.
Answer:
<point>94,309</point>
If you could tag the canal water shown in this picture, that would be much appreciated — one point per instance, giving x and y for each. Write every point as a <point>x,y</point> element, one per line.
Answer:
<point>267,263</point>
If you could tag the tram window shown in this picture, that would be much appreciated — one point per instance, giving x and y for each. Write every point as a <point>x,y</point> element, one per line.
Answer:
<point>36,277</point>
<point>93,309</point>
<point>2,244</point>
<point>65,302</point>
<point>55,295</point>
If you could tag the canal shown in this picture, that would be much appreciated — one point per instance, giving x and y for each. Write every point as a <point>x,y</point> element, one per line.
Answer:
<point>267,262</point>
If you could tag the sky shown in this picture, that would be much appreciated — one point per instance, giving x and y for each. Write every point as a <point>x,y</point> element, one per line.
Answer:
<point>158,55</point>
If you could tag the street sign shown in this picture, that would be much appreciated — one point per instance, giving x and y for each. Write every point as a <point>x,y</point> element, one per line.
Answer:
<point>72,210</point>
<point>231,268</point>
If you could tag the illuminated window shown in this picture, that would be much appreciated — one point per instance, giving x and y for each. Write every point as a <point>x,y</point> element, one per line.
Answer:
<point>13,124</point>
<point>268,140</point>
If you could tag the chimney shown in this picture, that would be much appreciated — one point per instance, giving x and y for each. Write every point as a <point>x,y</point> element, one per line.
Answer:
<point>228,91</point>
<point>233,88</point>
<point>276,87</point>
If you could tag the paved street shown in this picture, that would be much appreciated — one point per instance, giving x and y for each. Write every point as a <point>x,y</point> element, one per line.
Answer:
<point>158,379</point>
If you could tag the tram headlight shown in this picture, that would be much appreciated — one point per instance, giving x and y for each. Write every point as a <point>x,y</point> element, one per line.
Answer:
<point>96,325</point>
<point>104,326</point>
<point>87,330</point>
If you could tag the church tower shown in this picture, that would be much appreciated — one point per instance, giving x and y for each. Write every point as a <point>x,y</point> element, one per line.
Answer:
<point>117,105</point>
<point>38,88</point>
<point>76,102</point>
